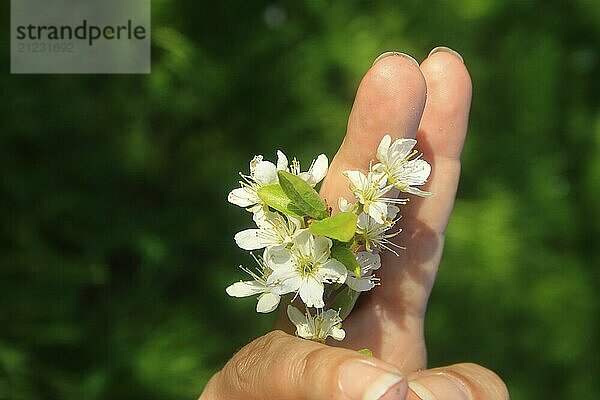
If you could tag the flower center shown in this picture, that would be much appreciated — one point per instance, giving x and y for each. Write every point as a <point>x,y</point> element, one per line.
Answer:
<point>306,266</point>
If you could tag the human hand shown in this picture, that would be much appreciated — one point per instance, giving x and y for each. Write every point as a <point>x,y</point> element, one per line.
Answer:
<point>398,97</point>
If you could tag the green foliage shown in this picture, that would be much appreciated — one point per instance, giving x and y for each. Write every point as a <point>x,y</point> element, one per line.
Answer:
<point>303,197</point>
<point>113,189</point>
<point>340,226</point>
<point>346,257</point>
<point>366,352</point>
<point>344,301</point>
<point>274,196</point>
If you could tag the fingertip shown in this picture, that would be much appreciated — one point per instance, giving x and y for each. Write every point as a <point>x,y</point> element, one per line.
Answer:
<point>446,115</point>
<point>390,100</point>
<point>444,49</point>
<point>360,379</point>
<point>447,66</point>
<point>397,54</point>
<point>393,74</point>
<point>460,381</point>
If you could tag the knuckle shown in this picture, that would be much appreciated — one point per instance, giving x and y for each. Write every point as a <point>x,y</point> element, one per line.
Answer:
<point>319,367</point>
<point>243,369</point>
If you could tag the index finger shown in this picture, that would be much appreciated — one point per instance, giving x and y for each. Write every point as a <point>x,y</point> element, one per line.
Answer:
<point>389,100</point>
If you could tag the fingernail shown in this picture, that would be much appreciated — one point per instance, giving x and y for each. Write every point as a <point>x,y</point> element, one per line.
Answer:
<point>445,49</point>
<point>438,387</point>
<point>397,54</point>
<point>360,380</point>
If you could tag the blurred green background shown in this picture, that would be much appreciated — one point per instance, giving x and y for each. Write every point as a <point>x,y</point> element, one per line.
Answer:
<point>116,237</point>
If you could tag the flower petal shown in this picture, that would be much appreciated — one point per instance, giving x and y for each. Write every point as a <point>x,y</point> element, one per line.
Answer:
<point>344,205</point>
<point>357,179</point>
<point>378,178</point>
<point>282,161</point>
<point>295,315</point>
<point>244,289</point>
<point>417,192</point>
<point>242,197</point>
<point>363,221</point>
<point>278,258</point>
<point>320,249</point>
<point>300,320</point>
<point>359,284</point>
<point>378,211</point>
<point>267,302</point>
<point>333,270</point>
<point>260,217</point>
<point>265,173</point>
<point>368,261</point>
<point>254,162</point>
<point>318,169</point>
<point>382,149</point>
<point>392,211</point>
<point>285,282</point>
<point>331,316</point>
<point>304,242</point>
<point>338,333</point>
<point>416,172</point>
<point>294,225</point>
<point>401,149</point>
<point>311,293</point>
<point>307,177</point>
<point>250,239</point>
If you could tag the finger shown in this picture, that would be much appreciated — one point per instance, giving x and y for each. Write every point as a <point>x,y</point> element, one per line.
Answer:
<point>280,366</point>
<point>389,100</point>
<point>457,382</point>
<point>399,304</point>
<point>441,134</point>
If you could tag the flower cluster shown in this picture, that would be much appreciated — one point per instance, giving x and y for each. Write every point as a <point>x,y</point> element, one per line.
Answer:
<point>324,260</point>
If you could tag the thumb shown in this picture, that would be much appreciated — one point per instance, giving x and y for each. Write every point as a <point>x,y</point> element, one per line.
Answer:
<point>457,382</point>
<point>280,366</point>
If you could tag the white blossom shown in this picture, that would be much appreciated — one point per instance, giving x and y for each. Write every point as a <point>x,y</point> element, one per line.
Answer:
<point>298,262</point>
<point>376,235</point>
<point>269,294</point>
<point>402,168</point>
<point>304,268</point>
<point>368,262</point>
<point>315,174</point>
<point>274,229</point>
<point>262,173</point>
<point>317,327</point>
<point>344,205</point>
<point>370,190</point>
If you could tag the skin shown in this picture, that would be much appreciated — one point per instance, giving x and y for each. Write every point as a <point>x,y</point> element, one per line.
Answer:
<point>397,96</point>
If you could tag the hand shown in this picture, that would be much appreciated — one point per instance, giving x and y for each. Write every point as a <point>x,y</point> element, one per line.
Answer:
<point>398,97</point>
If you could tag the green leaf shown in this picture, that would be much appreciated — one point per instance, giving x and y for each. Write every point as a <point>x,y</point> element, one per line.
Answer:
<point>366,352</point>
<point>340,226</point>
<point>274,196</point>
<point>346,257</point>
<point>345,301</point>
<point>305,198</point>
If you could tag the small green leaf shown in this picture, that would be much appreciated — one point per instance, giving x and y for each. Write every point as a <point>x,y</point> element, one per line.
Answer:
<point>366,352</point>
<point>340,226</point>
<point>346,257</point>
<point>304,198</point>
<point>274,196</point>
<point>345,301</point>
